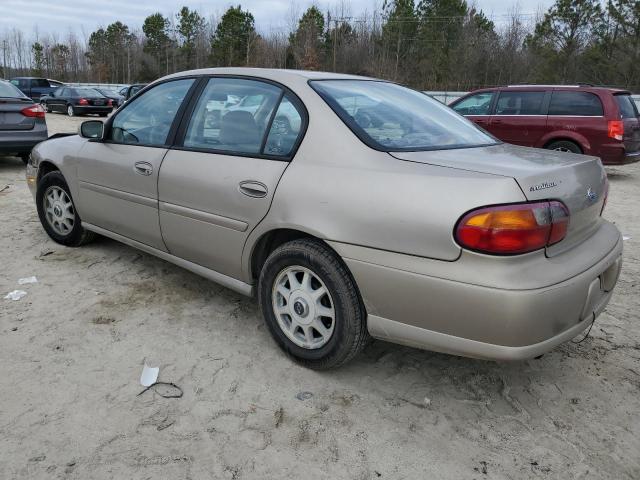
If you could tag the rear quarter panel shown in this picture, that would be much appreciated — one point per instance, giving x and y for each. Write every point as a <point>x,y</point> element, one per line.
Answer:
<point>338,189</point>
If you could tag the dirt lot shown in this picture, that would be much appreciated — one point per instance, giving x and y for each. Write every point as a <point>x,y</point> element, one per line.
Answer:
<point>72,351</point>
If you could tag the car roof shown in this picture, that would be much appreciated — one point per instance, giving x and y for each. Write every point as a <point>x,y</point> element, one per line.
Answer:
<point>582,88</point>
<point>275,74</point>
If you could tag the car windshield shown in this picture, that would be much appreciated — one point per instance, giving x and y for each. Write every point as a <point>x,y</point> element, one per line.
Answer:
<point>8,90</point>
<point>389,117</point>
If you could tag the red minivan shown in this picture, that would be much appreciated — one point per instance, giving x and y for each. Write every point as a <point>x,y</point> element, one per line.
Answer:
<point>581,119</point>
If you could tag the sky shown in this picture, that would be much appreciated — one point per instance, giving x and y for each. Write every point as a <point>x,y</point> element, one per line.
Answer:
<point>60,16</point>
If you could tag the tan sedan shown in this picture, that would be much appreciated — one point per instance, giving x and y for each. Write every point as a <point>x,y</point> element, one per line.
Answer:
<point>351,207</point>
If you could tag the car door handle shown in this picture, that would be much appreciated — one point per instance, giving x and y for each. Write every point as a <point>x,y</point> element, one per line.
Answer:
<point>251,188</point>
<point>143,168</point>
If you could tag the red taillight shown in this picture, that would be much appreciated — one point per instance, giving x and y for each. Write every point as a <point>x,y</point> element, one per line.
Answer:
<point>513,229</point>
<point>110,102</point>
<point>83,101</point>
<point>616,129</point>
<point>35,111</point>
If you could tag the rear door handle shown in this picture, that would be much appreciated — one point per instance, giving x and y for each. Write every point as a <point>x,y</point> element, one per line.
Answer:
<point>251,188</point>
<point>143,168</point>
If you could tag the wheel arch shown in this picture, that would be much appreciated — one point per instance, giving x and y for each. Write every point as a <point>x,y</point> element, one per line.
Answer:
<point>45,167</point>
<point>271,239</point>
<point>572,137</point>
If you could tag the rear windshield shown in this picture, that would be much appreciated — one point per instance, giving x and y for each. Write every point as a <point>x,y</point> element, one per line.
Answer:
<point>389,117</point>
<point>8,90</point>
<point>627,106</point>
<point>88,92</point>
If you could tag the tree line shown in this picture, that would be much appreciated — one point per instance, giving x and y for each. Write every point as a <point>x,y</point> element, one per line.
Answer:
<point>427,44</point>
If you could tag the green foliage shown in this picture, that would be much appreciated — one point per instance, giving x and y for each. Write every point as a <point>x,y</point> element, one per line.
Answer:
<point>307,41</point>
<point>156,31</point>
<point>562,37</point>
<point>232,40</point>
<point>190,26</point>
<point>38,58</point>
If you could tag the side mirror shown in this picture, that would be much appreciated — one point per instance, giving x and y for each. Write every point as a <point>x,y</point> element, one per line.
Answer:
<point>91,129</point>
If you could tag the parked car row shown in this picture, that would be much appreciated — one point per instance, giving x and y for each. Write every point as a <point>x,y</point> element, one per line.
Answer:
<point>580,119</point>
<point>77,101</point>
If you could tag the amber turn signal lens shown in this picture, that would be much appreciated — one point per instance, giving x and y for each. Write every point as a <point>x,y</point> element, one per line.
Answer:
<point>513,229</point>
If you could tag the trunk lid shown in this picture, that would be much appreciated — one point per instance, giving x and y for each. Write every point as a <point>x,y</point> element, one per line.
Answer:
<point>578,181</point>
<point>10,116</point>
<point>629,116</point>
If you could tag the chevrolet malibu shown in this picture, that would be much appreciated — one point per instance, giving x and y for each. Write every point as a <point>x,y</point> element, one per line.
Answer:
<point>375,212</point>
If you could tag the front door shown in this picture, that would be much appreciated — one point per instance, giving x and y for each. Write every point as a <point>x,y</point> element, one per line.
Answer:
<point>520,117</point>
<point>477,108</point>
<point>118,178</point>
<point>217,184</point>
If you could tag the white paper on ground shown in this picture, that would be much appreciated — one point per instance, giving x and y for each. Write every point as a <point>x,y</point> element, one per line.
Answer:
<point>626,237</point>
<point>25,280</point>
<point>149,375</point>
<point>15,295</point>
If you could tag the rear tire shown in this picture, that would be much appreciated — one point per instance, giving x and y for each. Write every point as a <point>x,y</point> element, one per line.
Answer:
<point>564,146</point>
<point>320,320</point>
<point>71,111</point>
<point>57,212</point>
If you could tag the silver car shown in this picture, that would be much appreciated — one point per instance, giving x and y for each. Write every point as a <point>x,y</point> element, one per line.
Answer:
<point>379,212</point>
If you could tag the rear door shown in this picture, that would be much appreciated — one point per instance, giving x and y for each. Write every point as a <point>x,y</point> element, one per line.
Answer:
<point>217,184</point>
<point>629,115</point>
<point>477,108</point>
<point>118,178</point>
<point>39,87</point>
<point>581,113</point>
<point>520,116</point>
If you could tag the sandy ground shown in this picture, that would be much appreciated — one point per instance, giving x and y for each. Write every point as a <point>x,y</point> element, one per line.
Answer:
<point>72,350</point>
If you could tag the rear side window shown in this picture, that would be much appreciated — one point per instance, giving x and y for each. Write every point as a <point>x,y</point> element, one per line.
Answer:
<point>39,83</point>
<point>285,129</point>
<point>627,106</point>
<point>222,122</point>
<point>478,104</point>
<point>9,90</point>
<point>575,103</point>
<point>520,103</point>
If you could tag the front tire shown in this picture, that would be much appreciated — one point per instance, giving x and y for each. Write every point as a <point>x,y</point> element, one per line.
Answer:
<point>311,305</point>
<point>57,212</point>
<point>71,111</point>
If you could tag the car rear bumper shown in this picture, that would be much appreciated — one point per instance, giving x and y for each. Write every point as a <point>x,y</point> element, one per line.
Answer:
<point>476,320</point>
<point>82,110</point>
<point>21,141</point>
<point>617,155</point>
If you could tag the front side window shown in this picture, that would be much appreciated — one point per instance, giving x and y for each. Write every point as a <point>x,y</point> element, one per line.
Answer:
<point>221,123</point>
<point>478,104</point>
<point>627,106</point>
<point>575,104</point>
<point>147,119</point>
<point>39,83</point>
<point>520,103</point>
<point>389,117</point>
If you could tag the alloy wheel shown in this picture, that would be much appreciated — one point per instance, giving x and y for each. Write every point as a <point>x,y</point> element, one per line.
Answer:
<point>59,210</point>
<point>303,307</point>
